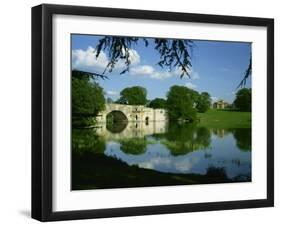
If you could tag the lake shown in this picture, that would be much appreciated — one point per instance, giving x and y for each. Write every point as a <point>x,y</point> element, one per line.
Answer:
<point>159,154</point>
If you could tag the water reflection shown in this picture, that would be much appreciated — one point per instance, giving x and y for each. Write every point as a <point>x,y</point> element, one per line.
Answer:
<point>159,153</point>
<point>131,129</point>
<point>84,140</point>
<point>243,139</point>
<point>184,138</point>
<point>133,146</point>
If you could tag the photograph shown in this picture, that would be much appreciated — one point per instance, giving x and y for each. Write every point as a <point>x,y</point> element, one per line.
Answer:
<point>154,111</point>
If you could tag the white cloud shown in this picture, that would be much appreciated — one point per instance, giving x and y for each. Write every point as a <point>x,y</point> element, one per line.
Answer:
<point>190,85</point>
<point>161,74</point>
<point>194,75</point>
<point>111,93</point>
<point>142,70</point>
<point>134,60</point>
<point>147,70</point>
<point>87,60</point>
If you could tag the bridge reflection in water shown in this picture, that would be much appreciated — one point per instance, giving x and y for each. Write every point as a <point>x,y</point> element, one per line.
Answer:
<point>158,153</point>
<point>131,129</point>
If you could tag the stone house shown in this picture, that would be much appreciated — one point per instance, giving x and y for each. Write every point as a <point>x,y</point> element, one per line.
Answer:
<point>220,104</point>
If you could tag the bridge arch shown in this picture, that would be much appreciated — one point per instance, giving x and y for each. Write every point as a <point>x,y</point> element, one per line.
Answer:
<point>117,121</point>
<point>116,116</point>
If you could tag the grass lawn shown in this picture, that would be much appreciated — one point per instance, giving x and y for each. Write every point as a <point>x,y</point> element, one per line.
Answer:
<point>225,119</point>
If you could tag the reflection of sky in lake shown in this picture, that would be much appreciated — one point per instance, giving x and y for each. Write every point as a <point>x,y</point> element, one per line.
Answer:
<point>222,153</point>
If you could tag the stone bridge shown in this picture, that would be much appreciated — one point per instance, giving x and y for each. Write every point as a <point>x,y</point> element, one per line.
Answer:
<point>133,113</point>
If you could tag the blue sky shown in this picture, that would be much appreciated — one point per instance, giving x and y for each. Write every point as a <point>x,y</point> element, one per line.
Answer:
<point>217,68</point>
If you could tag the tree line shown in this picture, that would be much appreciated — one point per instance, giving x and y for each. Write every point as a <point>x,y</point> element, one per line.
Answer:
<point>181,102</point>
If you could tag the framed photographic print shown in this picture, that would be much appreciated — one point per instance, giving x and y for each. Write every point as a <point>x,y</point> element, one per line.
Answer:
<point>145,112</point>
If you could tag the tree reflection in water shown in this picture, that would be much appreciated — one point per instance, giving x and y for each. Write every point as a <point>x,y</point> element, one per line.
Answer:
<point>153,155</point>
<point>243,138</point>
<point>87,140</point>
<point>133,146</point>
<point>184,138</point>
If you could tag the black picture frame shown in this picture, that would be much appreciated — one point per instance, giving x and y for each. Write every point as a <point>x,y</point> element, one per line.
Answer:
<point>42,111</point>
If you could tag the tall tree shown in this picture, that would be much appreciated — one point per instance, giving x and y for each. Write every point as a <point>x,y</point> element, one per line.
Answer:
<point>180,103</point>
<point>157,103</point>
<point>203,102</point>
<point>243,99</point>
<point>135,95</point>
<point>87,98</point>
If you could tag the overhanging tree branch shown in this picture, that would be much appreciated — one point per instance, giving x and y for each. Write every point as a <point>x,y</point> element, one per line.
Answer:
<point>173,52</point>
<point>88,74</point>
<point>247,74</point>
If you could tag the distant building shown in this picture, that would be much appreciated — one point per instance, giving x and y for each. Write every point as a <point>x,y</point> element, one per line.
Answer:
<point>220,104</point>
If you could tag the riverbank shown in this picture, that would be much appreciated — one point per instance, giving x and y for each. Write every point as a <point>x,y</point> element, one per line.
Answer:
<point>92,171</point>
<point>225,119</point>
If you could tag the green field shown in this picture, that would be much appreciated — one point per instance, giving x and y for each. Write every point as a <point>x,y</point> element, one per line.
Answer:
<point>225,119</point>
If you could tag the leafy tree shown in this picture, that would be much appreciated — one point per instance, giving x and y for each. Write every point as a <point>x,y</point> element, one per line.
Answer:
<point>243,99</point>
<point>135,95</point>
<point>180,103</point>
<point>194,95</point>
<point>173,52</point>
<point>87,98</point>
<point>203,102</point>
<point>157,103</point>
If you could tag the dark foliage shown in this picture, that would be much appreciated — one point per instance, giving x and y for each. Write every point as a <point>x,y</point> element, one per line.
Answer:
<point>243,100</point>
<point>158,103</point>
<point>87,99</point>
<point>243,139</point>
<point>180,103</point>
<point>203,102</point>
<point>135,95</point>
